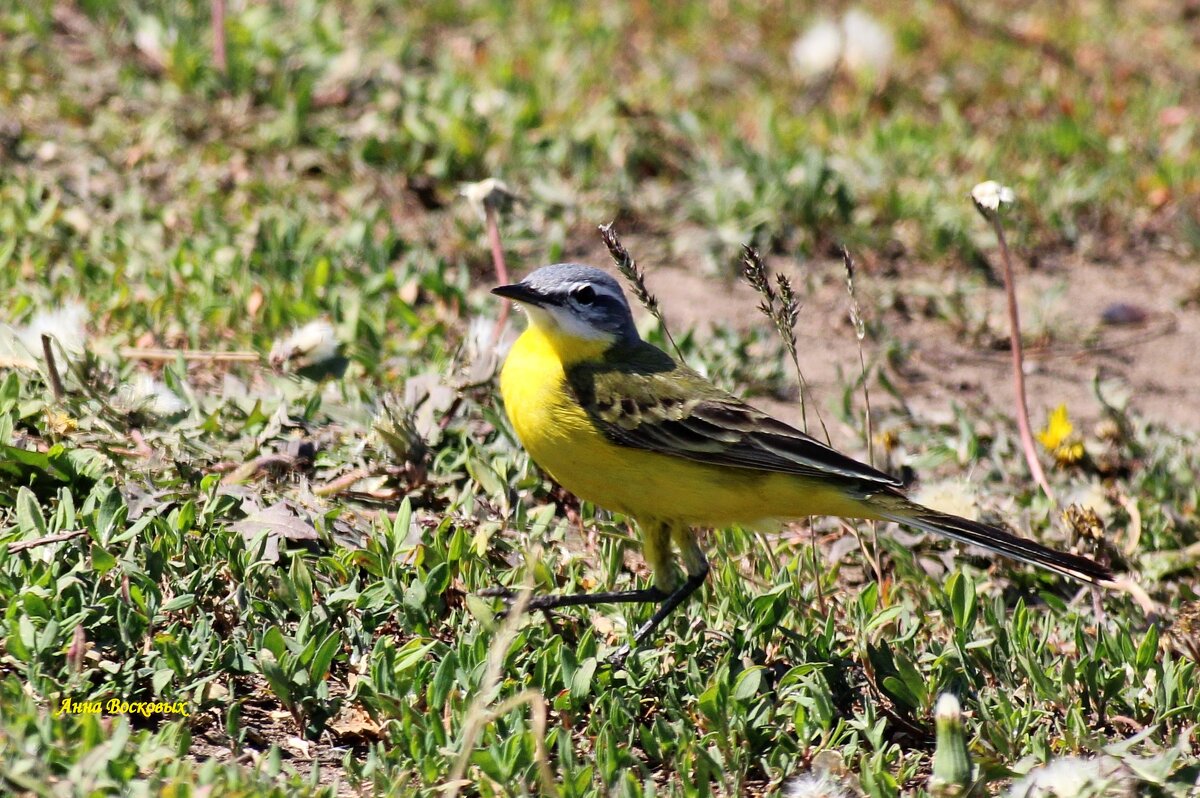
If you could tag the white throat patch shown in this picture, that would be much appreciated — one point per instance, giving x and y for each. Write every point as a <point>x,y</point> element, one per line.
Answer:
<point>566,322</point>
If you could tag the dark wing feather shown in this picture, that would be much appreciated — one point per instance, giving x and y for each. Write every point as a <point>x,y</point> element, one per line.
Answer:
<point>640,397</point>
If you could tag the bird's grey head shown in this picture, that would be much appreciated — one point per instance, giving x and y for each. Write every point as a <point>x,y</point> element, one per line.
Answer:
<point>577,300</point>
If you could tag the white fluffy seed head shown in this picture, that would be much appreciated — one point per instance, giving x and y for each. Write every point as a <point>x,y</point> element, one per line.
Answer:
<point>64,323</point>
<point>858,42</point>
<point>315,342</point>
<point>818,50</point>
<point>149,394</point>
<point>868,45</point>
<point>1076,777</point>
<point>816,784</point>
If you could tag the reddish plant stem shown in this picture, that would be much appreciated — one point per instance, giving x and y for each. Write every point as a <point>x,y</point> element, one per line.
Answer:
<point>58,537</point>
<point>493,231</point>
<point>220,62</point>
<point>1018,361</point>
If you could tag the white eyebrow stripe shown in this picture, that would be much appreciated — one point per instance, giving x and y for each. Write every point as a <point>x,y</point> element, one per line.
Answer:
<point>599,288</point>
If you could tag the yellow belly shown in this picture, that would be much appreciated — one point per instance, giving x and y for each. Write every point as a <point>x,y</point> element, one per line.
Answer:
<point>562,440</point>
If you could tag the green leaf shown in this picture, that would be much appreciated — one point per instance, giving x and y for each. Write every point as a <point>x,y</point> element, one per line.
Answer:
<point>161,679</point>
<point>29,515</point>
<point>15,645</point>
<point>581,680</point>
<point>302,586</point>
<point>1147,652</point>
<point>962,600</point>
<point>747,683</point>
<point>102,560</point>
<point>328,649</point>
<point>884,617</point>
<point>10,390</point>
<point>401,525</point>
<point>413,652</point>
<point>913,680</point>
<point>110,514</point>
<point>276,677</point>
<point>437,580</point>
<point>901,692</point>
<point>489,481</point>
<point>443,680</point>
<point>176,603</point>
<point>711,704</point>
<point>274,642</point>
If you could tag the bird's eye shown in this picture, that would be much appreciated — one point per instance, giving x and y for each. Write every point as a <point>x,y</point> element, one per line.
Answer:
<point>584,295</point>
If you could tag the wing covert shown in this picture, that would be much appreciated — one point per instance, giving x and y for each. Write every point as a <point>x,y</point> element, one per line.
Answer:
<point>643,399</point>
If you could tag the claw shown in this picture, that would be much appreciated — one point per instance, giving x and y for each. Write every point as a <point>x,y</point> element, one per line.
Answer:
<point>617,660</point>
<point>502,593</point>
<point>509,597</point>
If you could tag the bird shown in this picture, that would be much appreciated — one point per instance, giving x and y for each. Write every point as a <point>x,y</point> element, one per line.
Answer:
<point>619,422</point>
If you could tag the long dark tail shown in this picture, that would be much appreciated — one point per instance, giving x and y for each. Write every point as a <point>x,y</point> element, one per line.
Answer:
<point>902,511</point>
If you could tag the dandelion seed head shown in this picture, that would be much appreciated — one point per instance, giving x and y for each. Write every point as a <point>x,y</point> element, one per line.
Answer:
<point>315,342</point>
<point>64,323</point>
<point>1076,777</point>
<point>147,394</point>
<point>990,195</point>
<point>859,42</point>
<point>818,50</point>
<point>868,45</point>
<point>816,784</point>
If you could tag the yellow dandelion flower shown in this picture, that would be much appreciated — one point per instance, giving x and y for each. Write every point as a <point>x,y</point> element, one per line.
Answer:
<point>1058,429</point>
<point>1059,438</point>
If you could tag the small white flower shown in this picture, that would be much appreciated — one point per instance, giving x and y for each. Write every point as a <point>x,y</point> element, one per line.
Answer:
<point>818,50</point>
<point>486,192</point>
<point>482,338</point>
<point>990,195</point>
<point>948,708</point>
<point>828,777</point>
<point>315,342</point>
<point>487,349</point>
<point>868,44</point>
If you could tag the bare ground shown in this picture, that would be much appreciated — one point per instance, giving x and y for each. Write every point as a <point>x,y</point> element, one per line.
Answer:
<point>1147,357</point>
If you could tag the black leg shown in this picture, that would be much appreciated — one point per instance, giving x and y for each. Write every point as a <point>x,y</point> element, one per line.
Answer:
<point>644,596</point>
<point>693,583</point>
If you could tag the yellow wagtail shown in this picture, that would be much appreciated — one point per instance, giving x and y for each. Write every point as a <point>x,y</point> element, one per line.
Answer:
<point>619,422</point>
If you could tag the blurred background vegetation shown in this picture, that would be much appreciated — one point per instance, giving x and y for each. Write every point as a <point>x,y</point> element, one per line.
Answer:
<point>158,193</point>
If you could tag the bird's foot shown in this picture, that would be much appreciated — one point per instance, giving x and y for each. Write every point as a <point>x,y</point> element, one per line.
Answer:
<point>509,598</point>
<point>617,660</point>
<point>506,596</point>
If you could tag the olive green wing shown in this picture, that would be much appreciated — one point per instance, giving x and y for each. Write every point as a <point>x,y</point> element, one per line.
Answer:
<point>640,397</point>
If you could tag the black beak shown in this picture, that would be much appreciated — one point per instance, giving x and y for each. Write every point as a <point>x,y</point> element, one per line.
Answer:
<point>519,292</point>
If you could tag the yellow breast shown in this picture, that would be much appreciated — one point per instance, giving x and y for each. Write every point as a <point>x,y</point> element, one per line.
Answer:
<point>563,441</point>
<point>552,427</point>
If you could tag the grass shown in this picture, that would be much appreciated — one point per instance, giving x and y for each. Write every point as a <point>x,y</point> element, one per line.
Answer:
<point>321,630</point>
